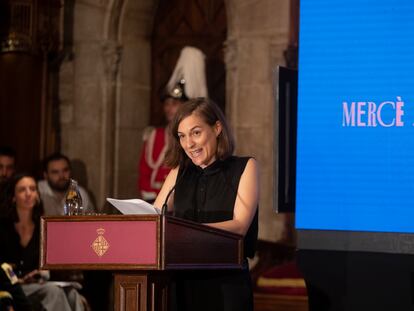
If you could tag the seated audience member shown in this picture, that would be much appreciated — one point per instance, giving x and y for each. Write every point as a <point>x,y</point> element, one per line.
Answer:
<point>19,244</point>
<point>7,163</point>
<point>57,174</point>
<point>12,296</point>
<point>7,169</point>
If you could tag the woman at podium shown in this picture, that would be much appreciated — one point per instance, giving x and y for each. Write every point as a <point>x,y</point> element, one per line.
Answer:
<point>213,187</point>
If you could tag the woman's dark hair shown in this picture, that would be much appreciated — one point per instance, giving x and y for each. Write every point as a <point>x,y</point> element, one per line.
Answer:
<point>11,205</point>
<point>8,152</point>
<point>57,156</point>
<point>210,113</point>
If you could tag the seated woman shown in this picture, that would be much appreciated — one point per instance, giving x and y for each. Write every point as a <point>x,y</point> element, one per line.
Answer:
<point>215,188</point>
<point>19,244</point>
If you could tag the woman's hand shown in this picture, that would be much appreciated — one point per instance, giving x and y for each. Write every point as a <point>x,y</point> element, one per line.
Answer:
<point>166,188</point>
<point>35,276</point>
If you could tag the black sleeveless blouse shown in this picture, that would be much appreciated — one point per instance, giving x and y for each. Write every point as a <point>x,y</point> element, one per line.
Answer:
<point>208,195</point>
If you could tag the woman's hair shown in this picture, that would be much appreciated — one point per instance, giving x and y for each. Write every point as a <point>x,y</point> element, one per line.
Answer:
<point>11,205</point>
<point>210,113</point>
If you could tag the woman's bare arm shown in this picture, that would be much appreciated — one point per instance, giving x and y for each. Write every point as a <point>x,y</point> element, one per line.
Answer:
<point>246,201</point>
<point>165,189</point>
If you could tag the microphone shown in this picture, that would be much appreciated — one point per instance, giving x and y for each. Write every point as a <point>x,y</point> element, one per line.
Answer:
<point>164,207</point>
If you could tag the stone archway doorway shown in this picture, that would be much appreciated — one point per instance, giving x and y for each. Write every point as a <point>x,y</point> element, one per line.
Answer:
<point>179,23</point>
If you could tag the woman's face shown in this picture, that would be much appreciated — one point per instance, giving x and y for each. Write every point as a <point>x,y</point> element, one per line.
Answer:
<point>25,193</point>
<point>198,139</point>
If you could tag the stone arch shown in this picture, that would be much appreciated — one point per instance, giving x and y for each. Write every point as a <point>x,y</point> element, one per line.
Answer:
<point>104,91</point>
<point>133,32</point>
<point>179,23</point>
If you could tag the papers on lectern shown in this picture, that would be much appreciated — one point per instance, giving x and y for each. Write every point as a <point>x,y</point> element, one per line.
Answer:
<point>133,206</point>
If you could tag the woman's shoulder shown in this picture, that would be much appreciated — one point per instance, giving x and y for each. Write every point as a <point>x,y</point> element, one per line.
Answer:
<point>239,160</point>
<point>236,165</point>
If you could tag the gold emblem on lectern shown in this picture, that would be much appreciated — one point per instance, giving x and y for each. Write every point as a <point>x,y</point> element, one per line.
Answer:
<point>100,245</point>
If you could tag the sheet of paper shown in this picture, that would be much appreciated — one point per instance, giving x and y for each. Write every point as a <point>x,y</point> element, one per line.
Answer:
<point>133,206</point>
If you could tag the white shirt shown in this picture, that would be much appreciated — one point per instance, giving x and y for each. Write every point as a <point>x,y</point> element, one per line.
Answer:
<point>53,204</point>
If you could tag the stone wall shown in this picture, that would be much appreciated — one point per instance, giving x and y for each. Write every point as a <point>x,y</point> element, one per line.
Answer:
<point>257,36</point>
<point>81,95</point>
<point>105,89</point>
<point>104,93</point>
<point>133,109</point>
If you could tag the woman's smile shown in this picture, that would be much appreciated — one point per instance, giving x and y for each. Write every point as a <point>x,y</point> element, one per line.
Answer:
<point>198,139</point>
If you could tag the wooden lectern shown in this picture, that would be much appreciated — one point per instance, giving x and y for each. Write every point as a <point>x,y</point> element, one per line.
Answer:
<point>142,250</point>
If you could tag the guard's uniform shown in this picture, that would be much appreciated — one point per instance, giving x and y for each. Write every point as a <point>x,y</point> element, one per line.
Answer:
<point>151,169</point>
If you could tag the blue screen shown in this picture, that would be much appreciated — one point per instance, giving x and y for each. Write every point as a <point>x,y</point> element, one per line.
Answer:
<point>355,151</point>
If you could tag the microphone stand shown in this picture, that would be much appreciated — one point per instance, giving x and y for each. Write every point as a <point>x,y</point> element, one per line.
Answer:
<point>165,205</point>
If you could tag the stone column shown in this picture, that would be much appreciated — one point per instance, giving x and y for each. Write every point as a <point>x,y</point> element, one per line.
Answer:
<point>82,96</point>
<point>257,37</point>
<point>102,82</point>
<point>133,109</point>
<point>111,52</point>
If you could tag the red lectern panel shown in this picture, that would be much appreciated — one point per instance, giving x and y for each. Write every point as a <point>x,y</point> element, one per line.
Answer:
<point>150,243</point>
<point>79,241</point>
